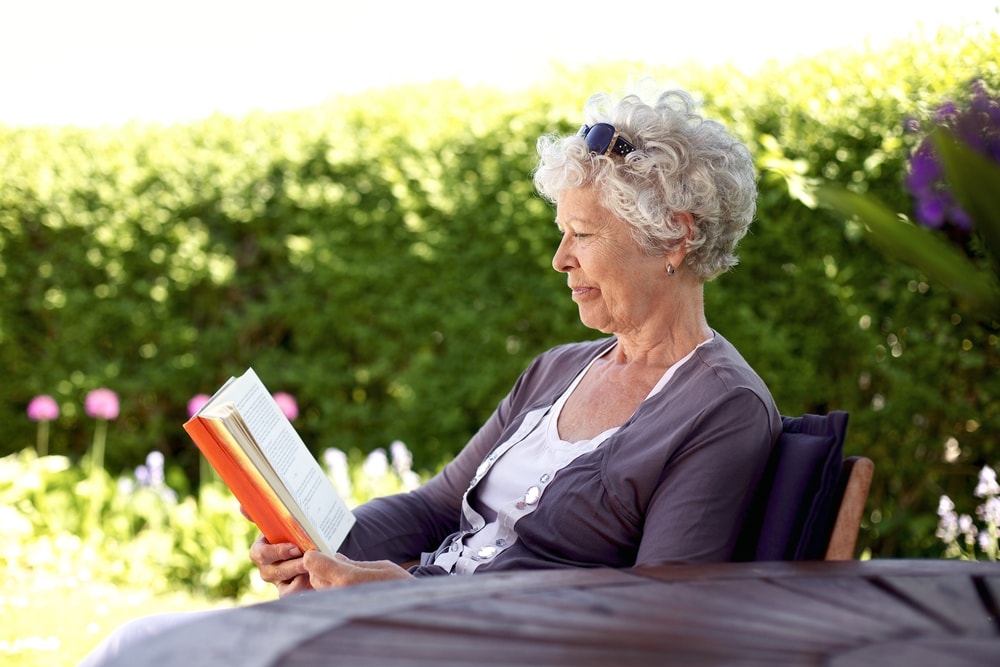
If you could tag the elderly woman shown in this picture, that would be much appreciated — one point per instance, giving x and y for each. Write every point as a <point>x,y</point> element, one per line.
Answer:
<point>639,448</point>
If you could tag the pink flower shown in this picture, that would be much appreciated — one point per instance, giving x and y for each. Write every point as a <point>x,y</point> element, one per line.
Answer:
<point>101,404</point>
<point>43,408</point>
<point>196,403</point>
<point>287,404</point>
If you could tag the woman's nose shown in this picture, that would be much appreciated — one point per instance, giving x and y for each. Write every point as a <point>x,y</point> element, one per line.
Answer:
<point>562,259</point>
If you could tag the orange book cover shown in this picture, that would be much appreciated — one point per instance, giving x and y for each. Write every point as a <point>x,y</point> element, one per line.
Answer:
<point>253,492</point>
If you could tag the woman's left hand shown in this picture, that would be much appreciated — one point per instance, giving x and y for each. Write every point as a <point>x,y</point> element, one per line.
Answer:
<point>338,571</point>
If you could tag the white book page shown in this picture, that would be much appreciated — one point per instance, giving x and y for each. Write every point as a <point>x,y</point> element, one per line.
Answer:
<point>285,461</point>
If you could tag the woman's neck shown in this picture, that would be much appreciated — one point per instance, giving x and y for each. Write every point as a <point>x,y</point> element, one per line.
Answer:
<point>662,341</point>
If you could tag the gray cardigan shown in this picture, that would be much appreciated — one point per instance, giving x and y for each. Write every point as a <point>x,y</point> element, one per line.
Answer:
<point>672,484</point>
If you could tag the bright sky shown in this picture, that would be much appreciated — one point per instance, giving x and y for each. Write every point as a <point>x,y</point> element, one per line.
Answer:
<point>91,62</point>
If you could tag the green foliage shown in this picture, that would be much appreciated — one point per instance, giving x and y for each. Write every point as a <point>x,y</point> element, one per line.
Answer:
<point>144,550</point>
<point>57,518</point>
<point>844,327</point>
<point>384,263</point>
<point>385,260</point>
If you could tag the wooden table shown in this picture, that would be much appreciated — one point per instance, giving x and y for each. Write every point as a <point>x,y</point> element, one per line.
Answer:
<point>891,612</point>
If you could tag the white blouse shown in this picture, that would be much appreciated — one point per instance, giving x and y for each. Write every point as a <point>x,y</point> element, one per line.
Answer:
<point>515,483</point>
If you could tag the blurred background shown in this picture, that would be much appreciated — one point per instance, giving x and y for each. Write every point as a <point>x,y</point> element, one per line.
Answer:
<point>340,197</point>
<point>110,61</point>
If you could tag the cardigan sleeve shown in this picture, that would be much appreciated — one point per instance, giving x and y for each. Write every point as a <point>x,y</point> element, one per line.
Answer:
<point>705,489</point>
<point>402,526</point>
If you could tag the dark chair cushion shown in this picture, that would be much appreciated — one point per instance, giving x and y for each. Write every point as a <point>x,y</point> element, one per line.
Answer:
<point>792,514</point>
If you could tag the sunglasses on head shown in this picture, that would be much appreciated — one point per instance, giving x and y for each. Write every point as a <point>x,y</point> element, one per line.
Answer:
<point>603,139</point>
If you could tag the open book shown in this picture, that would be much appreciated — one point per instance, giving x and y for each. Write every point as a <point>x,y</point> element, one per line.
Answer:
<point>260,456</point>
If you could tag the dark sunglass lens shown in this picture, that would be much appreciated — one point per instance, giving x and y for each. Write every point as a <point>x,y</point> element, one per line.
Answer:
<point>599,137</point>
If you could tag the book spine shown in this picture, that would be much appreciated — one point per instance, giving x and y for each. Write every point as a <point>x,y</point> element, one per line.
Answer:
<point>247,484</point>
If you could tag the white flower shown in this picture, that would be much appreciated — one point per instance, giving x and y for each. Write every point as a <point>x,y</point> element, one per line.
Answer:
<point>338,470</point>
<point>376,465</point>
<point>411,480</point>
<point>989,511</point>
<point>334,458</point>
<point>987,542</point>
<point>987,483</point>
<point>968,529</point>
<point>402,460</point>
<point>947,531</point>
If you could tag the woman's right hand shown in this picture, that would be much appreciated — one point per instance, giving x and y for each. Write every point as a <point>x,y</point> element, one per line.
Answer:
<point>281,565</point>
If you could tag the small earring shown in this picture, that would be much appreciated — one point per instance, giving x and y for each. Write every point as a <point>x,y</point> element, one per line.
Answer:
<point>670,269</point>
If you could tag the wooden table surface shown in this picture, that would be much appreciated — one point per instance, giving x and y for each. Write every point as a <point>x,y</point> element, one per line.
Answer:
<point>882,612</point>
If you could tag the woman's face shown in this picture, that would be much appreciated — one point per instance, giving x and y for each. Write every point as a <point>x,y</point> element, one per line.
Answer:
<point>617,286</point>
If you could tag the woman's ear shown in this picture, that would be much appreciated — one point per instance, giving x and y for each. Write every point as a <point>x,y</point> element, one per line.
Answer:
<point>676,256</point>
<point>684,218</point>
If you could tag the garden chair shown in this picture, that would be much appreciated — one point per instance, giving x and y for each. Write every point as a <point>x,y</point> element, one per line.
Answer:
<point>810,500</point>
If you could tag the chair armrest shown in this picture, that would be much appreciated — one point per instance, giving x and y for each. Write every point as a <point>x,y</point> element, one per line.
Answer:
<point>856,476</point>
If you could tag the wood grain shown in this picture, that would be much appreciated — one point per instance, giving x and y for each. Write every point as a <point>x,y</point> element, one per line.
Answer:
<point>841,613</point>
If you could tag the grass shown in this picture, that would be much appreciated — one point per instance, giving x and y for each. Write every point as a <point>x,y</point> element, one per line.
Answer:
<point>50,622</point>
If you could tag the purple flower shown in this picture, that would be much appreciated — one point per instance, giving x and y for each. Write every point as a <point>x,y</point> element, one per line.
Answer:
<point>287,404</point>
<point>101,404</point>
<point>931,208</point>
<point>154,463</point>
<point>925,170</point>
<point>43,408</point>
<point>945,113</point>
<point>143,476</point>
<point>196,403</point>
<point>977,125</point>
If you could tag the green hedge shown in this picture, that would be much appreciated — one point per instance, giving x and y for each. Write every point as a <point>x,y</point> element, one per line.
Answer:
<point>384,259</point>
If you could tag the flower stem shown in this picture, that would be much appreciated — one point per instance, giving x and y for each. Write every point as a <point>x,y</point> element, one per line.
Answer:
<point>96,485</point>
<point>42,443</point>
<point>97,450</point>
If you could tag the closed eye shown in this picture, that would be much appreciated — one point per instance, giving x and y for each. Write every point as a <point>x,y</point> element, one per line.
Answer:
<point>576,235</point>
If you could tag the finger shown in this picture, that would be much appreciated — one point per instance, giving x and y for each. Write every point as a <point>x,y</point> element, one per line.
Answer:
<point>299,584</point>
<point>327,572</point>
<point>282,572</point>
<point>264,553</point>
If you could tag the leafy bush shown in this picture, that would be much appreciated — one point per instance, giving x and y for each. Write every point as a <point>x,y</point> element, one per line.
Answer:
<point>58,519</point>
<point>384,259</point>
<point>62,521</point>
